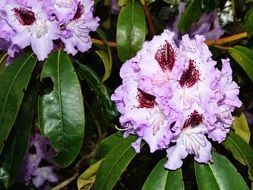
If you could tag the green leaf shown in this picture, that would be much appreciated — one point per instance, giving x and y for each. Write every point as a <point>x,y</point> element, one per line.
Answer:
<point>244,57</point>
<point>122,2</point>
<point>114,164</point>
<point>16,146</point>
<point>249,24</point>
<point>241,127</point>
<point>106,145</point>
<point>14,81</point>
<point>191,14</point>
<point>106,57</point>
<point>131,30</point>
<point>163,179</point>
<point>240,150</point>
<point>100,90</point>
<point>61,112</point>
<point>87,178</point>
<point>220,175</point>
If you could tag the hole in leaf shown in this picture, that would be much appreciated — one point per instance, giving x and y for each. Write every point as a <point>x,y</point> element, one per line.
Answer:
<point>46,86</point>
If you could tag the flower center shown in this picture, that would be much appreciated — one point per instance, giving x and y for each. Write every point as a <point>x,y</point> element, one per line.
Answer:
<point>194,120</point>
<point>190,76</point>
<point>25,17</point>
<point>165,56</point>
<point>156,119</point>
<point>145,100</point>
<point>79,11</point>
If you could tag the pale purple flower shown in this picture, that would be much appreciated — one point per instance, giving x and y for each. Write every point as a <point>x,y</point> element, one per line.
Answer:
<point>43,174</point>
<point>34,169</point>
<point>175,95</point>
<point>75,32</point>
<point>38,23</point>
<point>32,28</point>
<point>208,25</point>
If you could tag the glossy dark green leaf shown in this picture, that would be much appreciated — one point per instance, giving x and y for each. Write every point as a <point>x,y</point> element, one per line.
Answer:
<point>106,57</point>
<point>14,81</point>
<point>16,146</point>
<point>191,14</point>
<point>100,90</point>
<point>131,30</point>
<point>244,58</point>
<point>249,24</point>
<point>241,127</point>
<point>106,145</point>
<point>240,150</point>
<point>164,179</point>
<point>87,178</point>
<point>219,175</point>
<point>61,111</point>
<point>114,164</point>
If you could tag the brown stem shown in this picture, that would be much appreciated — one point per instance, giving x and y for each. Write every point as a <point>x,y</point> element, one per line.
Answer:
<point>100,42</point>
<point>150,19</point>
<point>232,38</point>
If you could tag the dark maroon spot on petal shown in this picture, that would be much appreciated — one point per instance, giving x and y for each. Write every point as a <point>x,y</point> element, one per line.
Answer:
<point>194,120</point>
<point>145,100</point>
<point>79,11</point>
<point>190,76</point>
<point>24,16</point>
<point>165,56</point>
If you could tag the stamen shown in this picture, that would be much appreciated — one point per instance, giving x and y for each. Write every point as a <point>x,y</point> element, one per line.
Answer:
<point>122,129</point>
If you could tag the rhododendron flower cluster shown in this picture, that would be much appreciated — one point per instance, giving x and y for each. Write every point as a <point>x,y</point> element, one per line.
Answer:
<point>173,97</point>
<point>38,23</point>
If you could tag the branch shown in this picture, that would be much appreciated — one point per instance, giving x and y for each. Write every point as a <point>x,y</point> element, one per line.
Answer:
<point>227,39</point>
<point>76,173</point>
<point>150,19</point>
<point>100,42</point>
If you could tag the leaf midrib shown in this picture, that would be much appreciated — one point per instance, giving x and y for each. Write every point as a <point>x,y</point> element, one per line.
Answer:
<point>60,99</point>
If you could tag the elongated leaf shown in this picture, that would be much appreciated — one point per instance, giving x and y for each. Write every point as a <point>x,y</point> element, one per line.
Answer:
<point>87,178</point>
<point>191,14</point>
<point>249,24</point>
<point>221,174</point>
<point>131,30</point>
<point>114,164</point>
<point>240,150</point>
<point>106,57</point>
<point>244,58</point>
<point>121,2</point>
<point>16,146</point>
<point>241,127</point>
<point>163,179</point>
<point>106,145</point>
<point>61,112</point>
<point>100,90</point>
<point>13,82</point>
